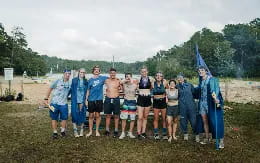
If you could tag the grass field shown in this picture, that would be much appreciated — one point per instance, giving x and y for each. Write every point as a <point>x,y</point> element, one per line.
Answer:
<point>25,136</point>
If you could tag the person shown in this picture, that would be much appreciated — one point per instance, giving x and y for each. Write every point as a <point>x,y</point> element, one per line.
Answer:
<point>172,110</point>
<point>112,101</point>
<point>78,96</point>
<point>129,105</point>
<point>211,107</point>
<point>159,104</point>
<point>143,103</point>
<point>94,98</point>
<point>60,89</point>
<point>187,107</point>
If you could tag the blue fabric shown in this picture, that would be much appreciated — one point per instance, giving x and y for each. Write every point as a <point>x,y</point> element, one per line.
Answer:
<point>200,61</point>
<point>60,92</point>
<point>80,91</point>
<point>186,106</point>
<point>158,90</point>
<point>203,108</point>
<point>60,112</point>
<point>78,115</point>
<point>95,86</point>
<point>215,114</point>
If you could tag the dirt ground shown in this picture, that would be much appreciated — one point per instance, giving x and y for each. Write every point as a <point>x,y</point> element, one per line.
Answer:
<point>237,90</point>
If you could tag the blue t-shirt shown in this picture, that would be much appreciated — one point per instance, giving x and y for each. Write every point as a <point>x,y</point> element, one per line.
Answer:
<point>80,91</point>
<point>60,91</point>
<point>95,87</point>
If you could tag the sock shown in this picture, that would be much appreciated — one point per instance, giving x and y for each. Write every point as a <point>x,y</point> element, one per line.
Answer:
<point>55,131</point>
<point>116,129</point>
<point>164,130</point>
<point>62,129</point>
<point>155,130</point>
<point>74,126</point>
<point>107,129</point>
<point>82,126</point>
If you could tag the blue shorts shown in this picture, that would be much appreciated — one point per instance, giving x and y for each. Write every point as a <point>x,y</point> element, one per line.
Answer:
<point>60,112</point>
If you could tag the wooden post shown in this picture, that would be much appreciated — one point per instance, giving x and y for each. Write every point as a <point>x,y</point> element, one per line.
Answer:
<point>9,83</point>
<point>1,90</point>
<point>22,91</point>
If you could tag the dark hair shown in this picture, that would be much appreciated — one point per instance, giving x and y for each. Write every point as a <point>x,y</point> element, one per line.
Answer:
<point>112,69</point>
<point>128,73</point>
<point>97,66</point>
<point>172,80</point>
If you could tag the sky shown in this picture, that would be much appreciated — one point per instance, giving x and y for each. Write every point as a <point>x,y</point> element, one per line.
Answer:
<point>129,30</point>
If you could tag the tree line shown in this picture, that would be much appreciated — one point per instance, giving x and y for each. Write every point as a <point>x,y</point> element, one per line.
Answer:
<point>233,53</point>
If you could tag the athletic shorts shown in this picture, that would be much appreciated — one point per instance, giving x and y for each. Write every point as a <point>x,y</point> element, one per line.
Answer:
<point>60,112</point>
<point>95,106</point>
<point>128,110</point>
<point>112,105</point>
<point>172,111</point>
<point>159,103</point>
<point>144,101</point>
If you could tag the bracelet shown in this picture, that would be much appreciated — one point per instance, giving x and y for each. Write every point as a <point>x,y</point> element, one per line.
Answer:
<point>46,99</point>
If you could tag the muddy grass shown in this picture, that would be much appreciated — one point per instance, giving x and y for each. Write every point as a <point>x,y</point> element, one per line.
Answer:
<point>25,136</point>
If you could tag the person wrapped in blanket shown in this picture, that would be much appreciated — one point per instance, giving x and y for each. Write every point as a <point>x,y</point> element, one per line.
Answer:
<point>210,107</point>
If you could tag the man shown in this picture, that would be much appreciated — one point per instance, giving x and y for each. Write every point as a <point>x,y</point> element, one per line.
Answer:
<point>112,101</point>
<point>129,106</point>
<point>60,90</point>
<point>187,107</point>
<point>211,107</point>
<point>94,98</point>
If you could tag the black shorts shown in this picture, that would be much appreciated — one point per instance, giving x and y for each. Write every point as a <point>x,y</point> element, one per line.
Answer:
<point>112,105</point>
<point>173,111</point>
<point>159,103</point>
<point>144,101</point>
<point>95,106</point>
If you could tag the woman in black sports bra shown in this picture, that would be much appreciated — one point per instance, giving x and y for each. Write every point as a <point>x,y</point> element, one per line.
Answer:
<point>143,103</point>
<point>159,104</point>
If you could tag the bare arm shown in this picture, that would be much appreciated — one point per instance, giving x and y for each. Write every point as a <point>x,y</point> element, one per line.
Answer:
<point>46,99</point>
<point>87,94</point>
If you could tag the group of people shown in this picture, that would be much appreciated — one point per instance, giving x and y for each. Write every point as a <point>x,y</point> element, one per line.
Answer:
<point>172,100</point>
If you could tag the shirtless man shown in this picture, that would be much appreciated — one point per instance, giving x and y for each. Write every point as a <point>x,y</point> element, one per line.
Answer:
<point>129,107</point>
<point>112,101</point>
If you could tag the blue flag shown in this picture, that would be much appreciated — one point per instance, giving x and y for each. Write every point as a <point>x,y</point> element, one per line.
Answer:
<point>200,61</point>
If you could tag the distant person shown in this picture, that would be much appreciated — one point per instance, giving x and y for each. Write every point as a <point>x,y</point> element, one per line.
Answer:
<point>172,110</point>
<point>187,107</point>
<point>129,107</point>
<point>78,96</point>
<point>143,102</point>
<point>112,101</point>
<point>159,104</point>
<point>95,98</point>
<point>211,107</point>
<point>60,90</point>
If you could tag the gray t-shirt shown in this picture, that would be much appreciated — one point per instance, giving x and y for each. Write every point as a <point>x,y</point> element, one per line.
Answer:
<point>60,92</point>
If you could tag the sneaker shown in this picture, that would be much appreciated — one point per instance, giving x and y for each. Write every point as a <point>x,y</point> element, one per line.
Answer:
<point>76,135</point>
<point>115,134</point>
<point>55,135</point>
<point>221,144</point>
<point>197,138</point>
<point>81,133</point>
<point>130,135</point>
<point>122,136</point>
<point>63,134</point>
<point>156,137</point>
<point>186,137</point>
<point>165,137</point>
<point>205,141</point>
<point>139,137</point>
<point>107,133</point>
<point>143,135</point>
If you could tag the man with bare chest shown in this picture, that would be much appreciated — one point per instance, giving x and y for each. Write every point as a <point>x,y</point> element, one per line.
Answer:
<point>112,101</point>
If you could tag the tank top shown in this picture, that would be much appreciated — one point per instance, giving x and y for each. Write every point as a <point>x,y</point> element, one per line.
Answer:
<point>172,95</point>
<point>158,90</point>
<point>145,83</point>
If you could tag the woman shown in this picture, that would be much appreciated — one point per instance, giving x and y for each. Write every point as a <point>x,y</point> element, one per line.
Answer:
<point>172,110</point>
<point>143,103</point>
<point>159,104</point>
<point>78,97</point>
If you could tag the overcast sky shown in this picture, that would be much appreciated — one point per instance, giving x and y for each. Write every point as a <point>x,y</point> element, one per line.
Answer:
<point>130,30</point>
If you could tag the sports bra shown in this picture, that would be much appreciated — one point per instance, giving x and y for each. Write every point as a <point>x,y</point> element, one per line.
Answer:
<point>172,96</point>
<point>145,84</point>
<point>158,90</point>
